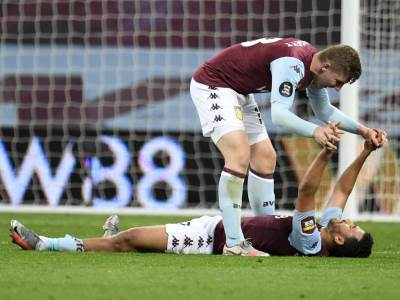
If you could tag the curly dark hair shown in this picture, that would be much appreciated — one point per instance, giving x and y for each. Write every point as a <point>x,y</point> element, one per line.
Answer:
<point>353,248</point>
<point>343,59</point>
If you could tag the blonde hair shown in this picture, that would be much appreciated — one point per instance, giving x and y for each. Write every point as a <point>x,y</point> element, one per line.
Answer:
<point>343,59</point>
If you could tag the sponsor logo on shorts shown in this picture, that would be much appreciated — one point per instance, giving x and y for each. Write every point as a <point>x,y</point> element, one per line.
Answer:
<point>187,242</point>
<point>212,88</point>
<point>308,225</point>
<point>268,203</point>
<point>213,96</point>
<point>236,205</point>
<point>218,118</point>
<point>215,106</point>
<point>209,240</point>
<point>175,242</point>
<point>286,89</point>
<point>200,242</point>
<point>239,113</point>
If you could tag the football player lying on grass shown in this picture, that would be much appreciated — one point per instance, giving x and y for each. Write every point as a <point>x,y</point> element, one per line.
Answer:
<point>273,234</point>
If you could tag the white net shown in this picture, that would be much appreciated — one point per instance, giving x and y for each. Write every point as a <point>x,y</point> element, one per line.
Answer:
<point>94,101</point>
<point>380,102</point>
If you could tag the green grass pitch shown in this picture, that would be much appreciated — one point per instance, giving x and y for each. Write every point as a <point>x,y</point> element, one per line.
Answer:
<point>53,275</point>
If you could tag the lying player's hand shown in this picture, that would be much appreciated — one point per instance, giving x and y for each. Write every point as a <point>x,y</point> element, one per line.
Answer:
<point>381,136</point>
<point>376,136</point>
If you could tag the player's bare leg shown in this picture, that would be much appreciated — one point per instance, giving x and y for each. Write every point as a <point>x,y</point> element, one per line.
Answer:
<point>149,238</point>
<point>139,239</point>
<point>260,185</point>
<point>263,157</point>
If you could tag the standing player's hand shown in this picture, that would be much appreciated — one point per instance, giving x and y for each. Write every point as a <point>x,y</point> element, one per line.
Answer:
<point>328,136</point>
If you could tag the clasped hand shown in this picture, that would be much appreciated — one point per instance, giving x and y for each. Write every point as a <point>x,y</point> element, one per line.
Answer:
<point>328,136</point>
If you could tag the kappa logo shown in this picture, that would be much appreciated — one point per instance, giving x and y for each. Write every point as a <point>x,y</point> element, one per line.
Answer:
<point>286,89</point>
<point>218,118</point>
<point>200,242</point>
<point>209,240</point>
<point>297,69</point>
<point>308,225</point>
<point>187,242</point>
<point>215,106</point>
<point>175,242</point>
<point>213,96</point>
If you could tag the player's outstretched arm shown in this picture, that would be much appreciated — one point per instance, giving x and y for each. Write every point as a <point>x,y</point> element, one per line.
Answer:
<point>312,180</point>
<point>310,183</point>
<point>347,180</point>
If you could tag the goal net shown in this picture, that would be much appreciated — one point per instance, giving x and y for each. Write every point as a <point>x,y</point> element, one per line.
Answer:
<point>380,103</point>
<point>95,107</point>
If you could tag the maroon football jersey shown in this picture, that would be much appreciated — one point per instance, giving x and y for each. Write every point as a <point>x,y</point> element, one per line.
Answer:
<point>266,233</point>
<point>245,67</point>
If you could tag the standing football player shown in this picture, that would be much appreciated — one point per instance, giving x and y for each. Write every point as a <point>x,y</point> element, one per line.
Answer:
<point>222,90</point>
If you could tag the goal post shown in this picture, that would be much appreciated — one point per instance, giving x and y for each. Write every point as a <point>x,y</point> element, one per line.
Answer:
<point>349,97</point>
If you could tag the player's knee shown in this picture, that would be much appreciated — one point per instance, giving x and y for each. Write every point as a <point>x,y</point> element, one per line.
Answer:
<point>124,241</point>
<point>272,154</point>
<point>271,159</point>
<point>265,161</point>
<point>241,159</point>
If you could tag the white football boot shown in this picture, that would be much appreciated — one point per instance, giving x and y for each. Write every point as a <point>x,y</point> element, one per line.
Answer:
<point>245,248</point>
<point>110,226</point>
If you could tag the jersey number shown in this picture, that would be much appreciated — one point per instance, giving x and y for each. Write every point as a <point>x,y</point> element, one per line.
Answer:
<point>262,41</point>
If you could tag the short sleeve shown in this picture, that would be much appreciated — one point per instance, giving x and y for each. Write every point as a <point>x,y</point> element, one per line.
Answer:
<point>329,214</point>
<point>305,236</point>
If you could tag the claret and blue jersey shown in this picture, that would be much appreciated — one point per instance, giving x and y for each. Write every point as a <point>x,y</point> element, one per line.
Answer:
<point>277,65</point>
<point>283,235</point>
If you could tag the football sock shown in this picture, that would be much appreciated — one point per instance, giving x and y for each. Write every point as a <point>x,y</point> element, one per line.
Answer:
<point>260,189</point>
<point>65,244</point>
<point>230,190</point>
